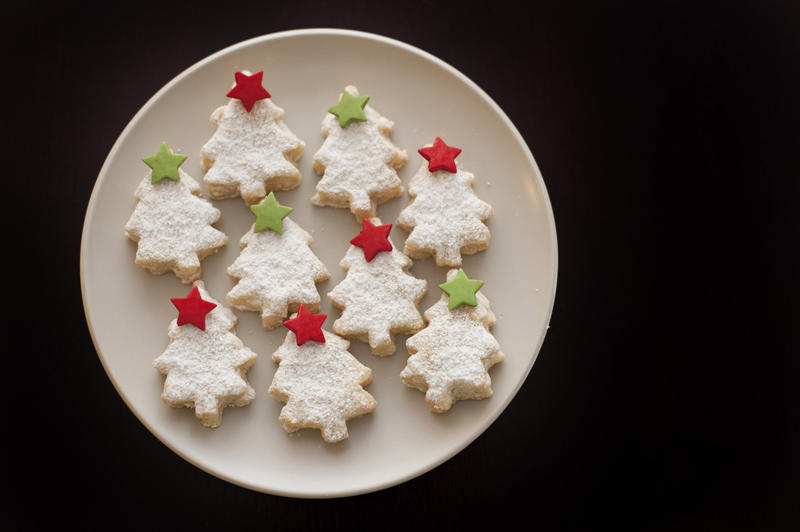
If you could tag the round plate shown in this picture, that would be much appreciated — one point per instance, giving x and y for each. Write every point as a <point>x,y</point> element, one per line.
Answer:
<point>128,309</point>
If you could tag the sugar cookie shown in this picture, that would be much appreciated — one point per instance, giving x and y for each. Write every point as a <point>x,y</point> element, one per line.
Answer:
<point>378,297</point>
<point>445,217</point>
<point>451,357</point>
<point>171,222</point>
<point>276,269</point>
<point>252,150</point>
<point>205,363</point>
<point>318,379</point>
<point>357,161</point>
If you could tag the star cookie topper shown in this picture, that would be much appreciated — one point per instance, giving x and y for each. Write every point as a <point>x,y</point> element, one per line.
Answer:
<point>440,156</point>
<point>372,239</point>
<point>270,214</point>
<point>193,309</point>
<point>461,290</point>
<point>248,89</point>
<point>164,164</point>
<point>350,109</point>
<point>306,326</point>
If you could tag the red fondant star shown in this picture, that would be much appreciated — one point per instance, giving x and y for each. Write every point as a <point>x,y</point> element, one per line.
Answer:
<point>372,239</point>
<point>306,326</point>
<point>440,156</point>
<point>248,89</point>
<point>193,309</point>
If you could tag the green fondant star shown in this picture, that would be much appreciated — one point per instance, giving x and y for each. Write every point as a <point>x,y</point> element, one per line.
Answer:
<point>350,109</point>
<point>270,214</point>
<point>164,164</point>
<point>461,290</point>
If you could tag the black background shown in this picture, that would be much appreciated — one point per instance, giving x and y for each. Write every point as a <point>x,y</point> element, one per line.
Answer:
<point>664,395</point>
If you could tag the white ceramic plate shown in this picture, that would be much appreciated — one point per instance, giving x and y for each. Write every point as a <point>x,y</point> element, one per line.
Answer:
<point>128,309</point>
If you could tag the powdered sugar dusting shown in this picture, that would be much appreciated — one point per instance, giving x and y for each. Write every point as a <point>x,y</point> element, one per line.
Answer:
<point>321,384</point>
<point>379,298</point>
<point>206,369</point>
<point>445,216</point>
<point>451,357</point>
<point>250,153</point>
<point>172,225</point>
<point>276,273</point>
<point>358,163</point>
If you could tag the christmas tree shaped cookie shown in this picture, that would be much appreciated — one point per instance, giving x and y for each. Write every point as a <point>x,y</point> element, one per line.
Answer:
<point>451,357</point>
<point>378,297</point>
<point>445,217</point>
<point>276,270</point>
<point>318,379</point>
<point>252,150</point>
<point>171,222</point>
<point>205,363</point>
<point>357,161</point>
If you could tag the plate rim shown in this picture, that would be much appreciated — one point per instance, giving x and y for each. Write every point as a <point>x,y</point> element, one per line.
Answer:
<point>101,176</point>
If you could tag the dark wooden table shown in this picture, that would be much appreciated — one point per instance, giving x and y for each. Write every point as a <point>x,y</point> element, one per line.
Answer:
<point>664,395</point>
